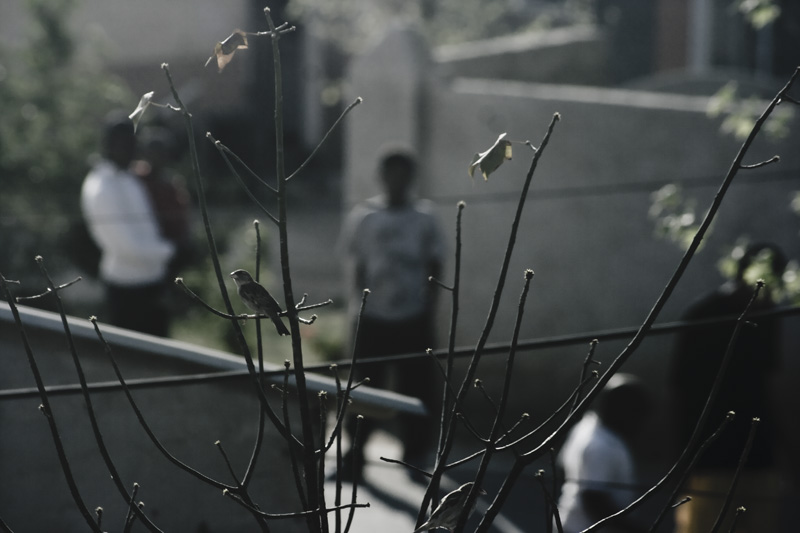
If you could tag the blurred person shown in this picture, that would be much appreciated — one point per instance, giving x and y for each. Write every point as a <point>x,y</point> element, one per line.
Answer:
<point>392,244</point>
<point>597,461</point>
<point>745,391</point>
<point>120,217</point>
<point>167,192</point>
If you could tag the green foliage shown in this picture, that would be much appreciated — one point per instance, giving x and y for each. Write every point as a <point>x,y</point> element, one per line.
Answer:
<point>759,13</point>
<point>783,287</point>
<point>53,96</point>
<point>674,215</point>
<point>354,24</point>
<point>740,114</point>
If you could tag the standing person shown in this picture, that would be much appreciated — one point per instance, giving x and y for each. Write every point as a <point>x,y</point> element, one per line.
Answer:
<point>596,460</point>
<point>745,391</point>
<point>120,218</point>
<point>393,243</point>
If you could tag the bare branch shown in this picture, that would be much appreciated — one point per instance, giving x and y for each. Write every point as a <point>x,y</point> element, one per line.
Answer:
<point>539,475</point>
<point>773,159</point>
<point>48,290</point>
<point>407,465</point>
<point>739,467</point>
<point>439,283</point>
<point>325,137</point>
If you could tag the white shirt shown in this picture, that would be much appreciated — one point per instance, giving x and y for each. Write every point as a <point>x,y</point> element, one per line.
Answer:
<point>593,458</point>
<point>393,248</point>
<point>121,221</point>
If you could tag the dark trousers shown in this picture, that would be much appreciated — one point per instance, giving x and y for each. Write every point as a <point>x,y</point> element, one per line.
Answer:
<point>140,308</point>
<point>418,378</point>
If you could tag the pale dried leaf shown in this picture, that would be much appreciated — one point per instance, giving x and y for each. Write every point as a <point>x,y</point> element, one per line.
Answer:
<point>224,51</point>
<point>491,159</point>
<point>144,103</point>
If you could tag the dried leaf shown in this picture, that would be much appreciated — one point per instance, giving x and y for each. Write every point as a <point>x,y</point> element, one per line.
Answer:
<point>492,158</point>
<point>144,103</point>
<point>224,51</point>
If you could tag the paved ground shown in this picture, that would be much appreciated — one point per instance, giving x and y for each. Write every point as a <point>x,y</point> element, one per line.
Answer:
<point>394,497</point>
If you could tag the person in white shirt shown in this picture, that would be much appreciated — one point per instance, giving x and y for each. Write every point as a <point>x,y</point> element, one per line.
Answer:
<point>392,244</point>
<point>596,459</point>
<point>134,255</point>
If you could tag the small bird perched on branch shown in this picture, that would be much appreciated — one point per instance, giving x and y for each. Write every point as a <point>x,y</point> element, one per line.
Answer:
<point>258,299</point>
<point>449,509</point>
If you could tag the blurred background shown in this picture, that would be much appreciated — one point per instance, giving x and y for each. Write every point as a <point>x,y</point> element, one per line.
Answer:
<point>655,99</point>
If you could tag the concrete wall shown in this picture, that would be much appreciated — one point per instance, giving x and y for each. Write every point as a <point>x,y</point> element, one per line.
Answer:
<point>187,419</point>
<point>564,55</point>
<point>585,229</point>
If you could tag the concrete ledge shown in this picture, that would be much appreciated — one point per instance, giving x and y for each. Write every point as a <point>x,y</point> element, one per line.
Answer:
<point>375,402</point>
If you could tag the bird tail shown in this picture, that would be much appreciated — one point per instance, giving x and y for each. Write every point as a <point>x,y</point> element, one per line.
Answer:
<point>423,527</point>
<point>280,326</point>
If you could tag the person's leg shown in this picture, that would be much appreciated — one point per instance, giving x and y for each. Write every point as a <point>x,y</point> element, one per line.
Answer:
<point>370,343</point>
<point>418,378</point>
<point>138,308</point>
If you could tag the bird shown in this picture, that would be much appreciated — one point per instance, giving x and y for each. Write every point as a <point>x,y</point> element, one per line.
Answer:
<point>449,509</point>
<point>492,158</point>
<point>258,299</point>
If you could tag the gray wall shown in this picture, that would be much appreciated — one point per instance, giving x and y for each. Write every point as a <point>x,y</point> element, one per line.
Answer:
<point>187,419</point>
<point>585,229</point>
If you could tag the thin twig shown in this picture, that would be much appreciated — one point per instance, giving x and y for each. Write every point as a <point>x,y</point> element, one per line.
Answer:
<point>588,361</point>
<point>49,290</point>
<point>677,504</point>
<point>47,411</point>
<point>679,485</point>
<point>739,512</point>
<point>262,415</point>
<point>494,508</point>
<point>307,429</point>
<point>407,465</point>
<point>501,407</point>
<point>439,283</point>
<point>298,478</point>
<point>98,436</point>
<point>232,472</point>
<point>238,333</point>
<point>145,426</point>
<point>323,415</point>
<point>225,150</point>
<point>355,449</point>
<point>739,468</point>
<point>773,159</point>
<point>493,309</point>
<point>555,414</point>
<point>349,108</point>
<point>701,422</point>
<point>344,401</point>
<point>5,528</point>
<point>130,516</point>
<point>284,516</point>
<point>244,316</point>
<point>550,502</point>
<point>253,198</point>
<point>448,402</point>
